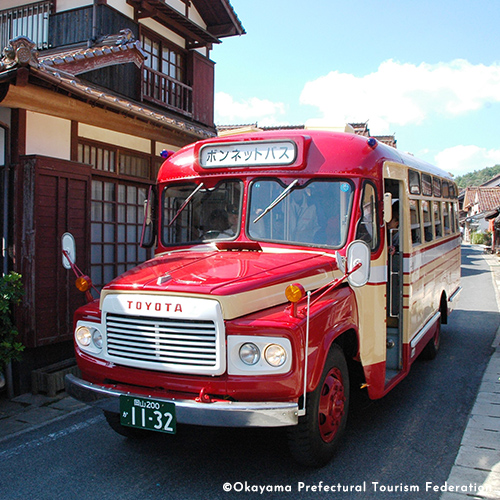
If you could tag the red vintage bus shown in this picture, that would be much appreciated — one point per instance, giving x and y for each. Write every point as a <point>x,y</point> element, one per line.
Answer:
<point>280,273</point>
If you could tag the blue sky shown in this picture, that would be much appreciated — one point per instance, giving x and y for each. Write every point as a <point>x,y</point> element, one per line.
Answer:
<point>426,71</point>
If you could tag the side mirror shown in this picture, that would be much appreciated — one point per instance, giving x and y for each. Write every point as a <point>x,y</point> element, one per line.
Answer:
<point>340,262</point>
<point>148,235</point>
<point>68,250</point>
<point>387,207</point>
<point>358,252</point>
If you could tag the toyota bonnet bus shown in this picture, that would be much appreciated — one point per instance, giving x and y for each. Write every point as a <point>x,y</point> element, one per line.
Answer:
<point>288,264</point>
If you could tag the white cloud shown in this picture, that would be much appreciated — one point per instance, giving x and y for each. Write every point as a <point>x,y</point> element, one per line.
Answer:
<point>263,111</point>
<point>402,94</point>
<point>460,160</point>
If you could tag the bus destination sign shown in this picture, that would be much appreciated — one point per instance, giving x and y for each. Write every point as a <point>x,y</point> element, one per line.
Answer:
<point>248,154</point>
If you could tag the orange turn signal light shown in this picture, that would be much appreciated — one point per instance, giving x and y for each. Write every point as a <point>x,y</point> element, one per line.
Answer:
<point>83,283</point>
<point>295,292</point>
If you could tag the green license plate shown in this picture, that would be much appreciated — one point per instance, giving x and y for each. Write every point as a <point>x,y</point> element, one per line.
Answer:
<point>144,413</point>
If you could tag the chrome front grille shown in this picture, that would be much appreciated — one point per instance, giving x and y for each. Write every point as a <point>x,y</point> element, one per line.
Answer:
<point>180,345</point>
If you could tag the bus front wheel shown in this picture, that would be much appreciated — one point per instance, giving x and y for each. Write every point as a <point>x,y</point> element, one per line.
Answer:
<point>314,440</point>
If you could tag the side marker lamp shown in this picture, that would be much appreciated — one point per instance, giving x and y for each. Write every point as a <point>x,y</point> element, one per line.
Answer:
<point>166,154</point>
<point>295,293</point>
<point>83,283</point>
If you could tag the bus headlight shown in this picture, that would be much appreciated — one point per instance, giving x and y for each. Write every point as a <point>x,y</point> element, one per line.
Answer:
<point>249,353</point>
<point>83,335</point>
<point>89,338</point>
<point>97,338</point>
<point>275,355</point>
<point>258,355</point>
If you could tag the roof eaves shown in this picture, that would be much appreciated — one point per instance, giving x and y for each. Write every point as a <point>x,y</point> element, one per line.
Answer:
<point>21,55</point>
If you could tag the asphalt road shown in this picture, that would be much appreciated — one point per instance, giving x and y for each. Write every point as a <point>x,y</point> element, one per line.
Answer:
<point>392,446</point>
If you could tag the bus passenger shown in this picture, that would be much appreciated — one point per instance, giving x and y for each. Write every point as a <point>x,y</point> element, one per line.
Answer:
<point>393,229</point>
<point>303,218</point>
<point>218,224</point>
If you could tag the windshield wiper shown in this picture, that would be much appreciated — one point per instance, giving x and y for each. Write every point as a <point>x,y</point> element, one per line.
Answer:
<point>186,201</point>
<point>281,197</point>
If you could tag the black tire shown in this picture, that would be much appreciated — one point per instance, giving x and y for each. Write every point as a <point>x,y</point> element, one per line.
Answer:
<point>113,420</point>
<point>431,349</point>
<point>314,441</point>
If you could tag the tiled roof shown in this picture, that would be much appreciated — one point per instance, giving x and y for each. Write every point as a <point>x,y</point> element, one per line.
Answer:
<point>485,198</point>
<point>114,49</point>
<point>21,54</point>
<point>390,140</point>
<point>361,129</point>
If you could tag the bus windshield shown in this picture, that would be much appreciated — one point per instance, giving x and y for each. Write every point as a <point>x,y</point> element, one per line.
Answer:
<point>194,213</point>
<point>316,213</point>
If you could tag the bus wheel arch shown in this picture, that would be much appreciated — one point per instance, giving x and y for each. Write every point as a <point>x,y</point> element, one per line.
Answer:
<point>431,349</point>
<point>348,342</point>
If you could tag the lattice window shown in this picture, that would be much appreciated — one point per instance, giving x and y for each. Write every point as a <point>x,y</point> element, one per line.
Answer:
<point>117,216</point>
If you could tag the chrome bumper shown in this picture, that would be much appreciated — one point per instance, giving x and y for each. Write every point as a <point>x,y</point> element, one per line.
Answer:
<point>217,414</point>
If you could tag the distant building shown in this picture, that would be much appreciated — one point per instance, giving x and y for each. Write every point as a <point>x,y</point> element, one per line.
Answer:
<point>91,91</point>
<point>478,206</point>
<point>493,182</point>
<point>356,128</point>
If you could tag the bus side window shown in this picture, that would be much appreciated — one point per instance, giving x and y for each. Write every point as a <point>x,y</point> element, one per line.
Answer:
<point>428,232</point>
<point>454,228</point>
<point>416,237</point>
<point>367,226</point>
<point>446,218</point>
<point>438,228</point>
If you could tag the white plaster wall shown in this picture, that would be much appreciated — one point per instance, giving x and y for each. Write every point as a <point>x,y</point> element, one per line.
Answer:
<point>160,146</point>
<point>62,5</point>
<point>123,7</point>
<point>193,13</point>
<point>164,32</point>
<point>9,4</point>
<point>48,136</point>
<point>196,18</point>
<point>177,5</point>
<point>203,51</point>
<point>116,138</point>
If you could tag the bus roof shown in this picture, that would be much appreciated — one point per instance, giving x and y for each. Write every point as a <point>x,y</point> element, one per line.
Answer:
<point>295,153</point>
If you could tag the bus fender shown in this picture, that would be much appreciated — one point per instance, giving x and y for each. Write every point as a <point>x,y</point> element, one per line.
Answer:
<point>346,335</point>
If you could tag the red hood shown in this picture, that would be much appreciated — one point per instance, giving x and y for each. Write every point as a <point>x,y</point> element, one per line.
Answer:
<point>221,272</point>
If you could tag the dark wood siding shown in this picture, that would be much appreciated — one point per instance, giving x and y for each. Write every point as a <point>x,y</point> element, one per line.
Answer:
<point>75,26</point>
<point>203,89</point>
<point>123,78</point>
<point>53,198</point>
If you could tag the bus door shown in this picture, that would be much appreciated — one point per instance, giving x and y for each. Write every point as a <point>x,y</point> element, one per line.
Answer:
<point>395,231</point>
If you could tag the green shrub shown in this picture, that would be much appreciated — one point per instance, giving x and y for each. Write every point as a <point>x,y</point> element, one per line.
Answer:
<point>11,291</point>
<point>480,238</point>
<point>477,238</point>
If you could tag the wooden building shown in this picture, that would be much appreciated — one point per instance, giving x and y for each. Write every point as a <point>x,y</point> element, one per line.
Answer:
<point>478,207</point>
<point>91,91</point>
